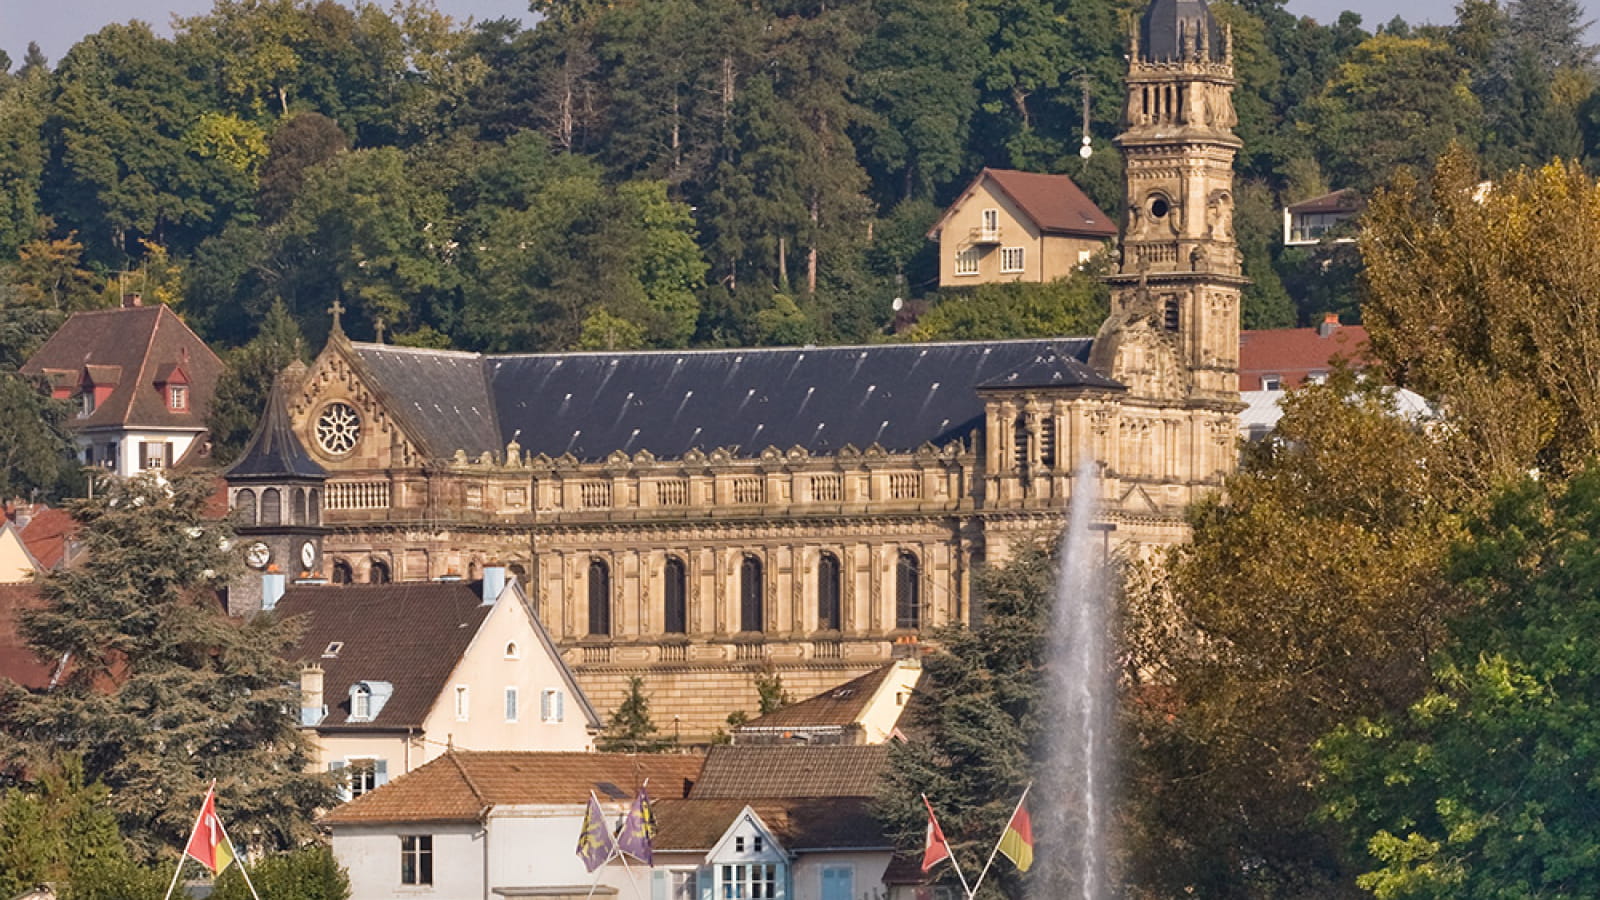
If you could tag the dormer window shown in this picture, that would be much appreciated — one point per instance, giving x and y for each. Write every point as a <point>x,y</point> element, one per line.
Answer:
<point>367,699</point>
<point>178,397</point>
<point>88,402</point>
<point>361,702</point>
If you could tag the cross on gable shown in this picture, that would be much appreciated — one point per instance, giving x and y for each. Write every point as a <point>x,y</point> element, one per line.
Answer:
<point>336,309</point>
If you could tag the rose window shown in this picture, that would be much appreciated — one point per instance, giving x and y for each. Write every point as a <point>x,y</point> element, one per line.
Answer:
<point>338,428</point>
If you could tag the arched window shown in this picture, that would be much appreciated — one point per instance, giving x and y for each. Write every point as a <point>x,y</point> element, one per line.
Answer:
<point>512,652</point>
<point>1019,441</point>
<point>599,597</point>
<point>675,617</point>
<point>271,507</point>
<point>342,573</point>
<point>907,591</point>
<point>361,702</point>
<point>751,614</point>
<point>298,507</point>
<point>379,573</point>
<point>828,592</point>
<point>244,507</point>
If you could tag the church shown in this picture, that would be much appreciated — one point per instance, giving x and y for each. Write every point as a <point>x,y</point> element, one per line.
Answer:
<point>696,517</point>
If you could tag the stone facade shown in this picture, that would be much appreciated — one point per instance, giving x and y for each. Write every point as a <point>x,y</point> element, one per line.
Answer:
<point>699,566</point>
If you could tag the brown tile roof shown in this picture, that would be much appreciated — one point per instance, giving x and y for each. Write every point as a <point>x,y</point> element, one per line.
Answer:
<point>842,705</point>
<point>129,346</point>
<point>815,823</point>
<point>410,635</point>
<point>461,785</point>
<point>47,536</point>
<point>17,661</point>
<point>781,771</point>
<point>1294,353</point>
<point>1054,202</point>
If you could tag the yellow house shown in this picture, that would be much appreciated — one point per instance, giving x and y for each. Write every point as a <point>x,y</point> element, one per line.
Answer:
<point>865,710</point>
<point>393,675</point>
<point>17,565</point>
<point>1018,226</point>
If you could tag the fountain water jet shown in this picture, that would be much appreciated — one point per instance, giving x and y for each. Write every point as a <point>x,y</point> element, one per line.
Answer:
<point>1072,793</point>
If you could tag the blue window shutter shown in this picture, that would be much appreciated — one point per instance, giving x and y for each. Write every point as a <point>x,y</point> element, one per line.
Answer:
<point>837,883</point>
<point>546,706</point>
<point>658,885</point>
<point>380,772</point>
<point>335,766</point>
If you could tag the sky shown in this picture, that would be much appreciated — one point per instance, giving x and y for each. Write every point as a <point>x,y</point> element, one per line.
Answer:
<point>58,24</point>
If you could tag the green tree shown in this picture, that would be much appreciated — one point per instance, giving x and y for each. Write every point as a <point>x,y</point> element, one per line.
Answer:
<point>241,394</point>
<point>1482,788</point>
<point>36,454</point>
<point>22,158</point>
<point>1075,305</point>
<point>630,729</point>
<point>308,873</point>
<point>165,691</point>
<point>60,830</point>
<point>770,691</point>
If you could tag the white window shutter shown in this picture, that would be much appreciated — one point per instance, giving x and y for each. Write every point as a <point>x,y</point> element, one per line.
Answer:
<point>546,706</point>
<point>380,772</point>
<point>561,703</point>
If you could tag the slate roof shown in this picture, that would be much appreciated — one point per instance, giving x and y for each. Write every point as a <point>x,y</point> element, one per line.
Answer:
<point>408,634</point>
<point>1055,203</point>
<point>838,706</point>
<point>668,402</point>
<point>462,785</point>
<point>1166,23</point>
<point>787,772</point>
<point>129,345</point>
<point>1049,370</point>
<point>274,452</point>
<point>799,824</point>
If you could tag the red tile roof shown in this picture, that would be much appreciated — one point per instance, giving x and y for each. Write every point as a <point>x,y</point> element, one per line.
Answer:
<point>17,661</point>
<point>1054,202</point>
<point>1293,353</point>
<point>48,535</point>
<point>462,785</point>
<point>129,346</point>
<point>783,771</point>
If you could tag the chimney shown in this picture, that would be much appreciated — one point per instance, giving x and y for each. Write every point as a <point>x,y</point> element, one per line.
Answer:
<point>271,589</point>
<point>131,300</point>
<point>1330,324</point>
<point>494,581</point>
<point>312,709</point>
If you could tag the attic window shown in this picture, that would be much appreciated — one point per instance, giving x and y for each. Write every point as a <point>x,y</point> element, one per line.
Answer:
<point>511,650</point>
<point>332,651</point>
<point>361,702</point>
<point>177,397</point>
<point>843,693</point>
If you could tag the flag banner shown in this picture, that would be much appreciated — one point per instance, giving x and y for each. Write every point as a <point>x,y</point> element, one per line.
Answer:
<point>594,842</point>
<point>1017,842</point>
<point>935,848</point>
<point>638,833</point>
<point>208,843</point>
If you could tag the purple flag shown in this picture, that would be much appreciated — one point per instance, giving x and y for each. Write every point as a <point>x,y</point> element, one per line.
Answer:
<point>638,833</point>
<point>594,841</point>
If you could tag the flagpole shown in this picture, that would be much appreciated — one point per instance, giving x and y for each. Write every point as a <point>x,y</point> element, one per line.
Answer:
<point>238,860</point>
<point>600,869</point>
<point>184,853</point>
<point>996,850</point>
<point>627,868</point>
<point>954,862</point>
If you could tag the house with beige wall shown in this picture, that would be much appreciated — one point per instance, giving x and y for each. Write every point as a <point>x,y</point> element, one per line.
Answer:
<point>1018,226</point>
<point>17,565</point>
<point>863,710</point>
<point>393,675</point>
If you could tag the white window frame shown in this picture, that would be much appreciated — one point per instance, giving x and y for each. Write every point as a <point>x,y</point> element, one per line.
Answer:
<point>552,706</point>
<point>675,884</point>
<point>177,397</point>
<point>513,651</point>
<point>513,709</point>
<point>88,404</point>
<point>991,221</point>
<point>748,881</point>
<point>1272,382</point>
<point>418,847</point>
<point>967,261</point>
<point>361,703</point>
<point>1008,254</point>
<point>463,703</point>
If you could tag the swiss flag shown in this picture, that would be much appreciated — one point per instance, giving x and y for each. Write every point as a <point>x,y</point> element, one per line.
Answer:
<point>935,848</point>
<point>208,843</point>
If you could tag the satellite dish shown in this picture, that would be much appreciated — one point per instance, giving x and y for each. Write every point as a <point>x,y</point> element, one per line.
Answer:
<point>897,304</point>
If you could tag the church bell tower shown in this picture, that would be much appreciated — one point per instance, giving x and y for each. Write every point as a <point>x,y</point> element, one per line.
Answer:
<point>1173,332</point>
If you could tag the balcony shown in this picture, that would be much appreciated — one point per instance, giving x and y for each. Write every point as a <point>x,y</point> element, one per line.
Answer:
<point>985,235</point>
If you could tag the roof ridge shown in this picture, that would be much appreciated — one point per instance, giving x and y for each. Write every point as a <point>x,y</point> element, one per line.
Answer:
<point>483,802</point>
<point>808,348</point>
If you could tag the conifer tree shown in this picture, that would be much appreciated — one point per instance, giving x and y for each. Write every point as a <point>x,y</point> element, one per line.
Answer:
<point>630,729</point>
<point>161,691</point>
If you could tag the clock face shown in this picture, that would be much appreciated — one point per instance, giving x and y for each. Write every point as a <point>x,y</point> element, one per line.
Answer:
<point>308,555</point>
<point>257,555</point>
